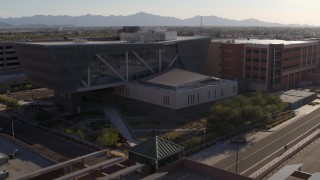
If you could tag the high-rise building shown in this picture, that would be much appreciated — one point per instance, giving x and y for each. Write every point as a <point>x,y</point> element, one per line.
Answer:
<point>11,74</point>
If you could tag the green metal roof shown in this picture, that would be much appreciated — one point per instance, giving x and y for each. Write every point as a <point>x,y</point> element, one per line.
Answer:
<point>156,148</point>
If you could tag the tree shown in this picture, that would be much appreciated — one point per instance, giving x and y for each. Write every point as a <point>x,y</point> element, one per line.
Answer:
<point>108,137</point>
<point>238,111</point>
<point>10,102</point>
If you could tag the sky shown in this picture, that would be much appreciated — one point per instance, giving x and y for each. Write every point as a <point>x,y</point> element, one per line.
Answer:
<point>279,11</point>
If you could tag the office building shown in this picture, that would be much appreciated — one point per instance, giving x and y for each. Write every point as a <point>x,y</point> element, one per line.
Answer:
<point>266,65</point>
<point>11,75</point>
<point>84,73</point>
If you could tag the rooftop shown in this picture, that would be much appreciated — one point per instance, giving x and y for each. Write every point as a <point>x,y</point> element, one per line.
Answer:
<point>260,41</point>
<point>178,79</point>
<point>85,42</point>
<point>156,148</point>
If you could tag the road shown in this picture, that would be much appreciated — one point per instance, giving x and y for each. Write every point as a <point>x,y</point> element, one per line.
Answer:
<point>255,153</point>
<point>52,146</point>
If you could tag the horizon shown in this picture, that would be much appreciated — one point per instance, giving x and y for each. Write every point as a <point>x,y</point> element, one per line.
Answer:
<point>300,25</point>
<point>283,12</point>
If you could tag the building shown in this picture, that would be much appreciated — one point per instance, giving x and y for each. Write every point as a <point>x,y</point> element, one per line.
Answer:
<point>147,35</point>
<point>267,65</point>
<point>84,73</point>
<point>175,93</point>
<point>12,77</point>
<point>297,98</point>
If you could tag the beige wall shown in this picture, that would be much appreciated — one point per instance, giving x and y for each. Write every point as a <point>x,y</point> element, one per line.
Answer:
<point>180,99</point>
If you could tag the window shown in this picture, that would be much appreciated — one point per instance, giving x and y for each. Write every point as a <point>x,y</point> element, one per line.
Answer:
<point>222,92</point>
<point>12,58</point>
<point>234,89</point>
<point>209,94</point>
<point>190,99</point>
<point>166,100</point>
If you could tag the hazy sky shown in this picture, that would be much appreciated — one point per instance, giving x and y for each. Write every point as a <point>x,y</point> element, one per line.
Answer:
<point>281,11</point>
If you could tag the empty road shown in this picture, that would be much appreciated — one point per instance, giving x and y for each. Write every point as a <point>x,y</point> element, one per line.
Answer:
<point>255,153</point>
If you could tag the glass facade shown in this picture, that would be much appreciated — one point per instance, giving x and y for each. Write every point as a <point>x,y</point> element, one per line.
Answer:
<point>119,66</point>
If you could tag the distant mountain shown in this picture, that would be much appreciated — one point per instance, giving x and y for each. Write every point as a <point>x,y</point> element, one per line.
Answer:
<point>138,19</point>
<point>4,25</point>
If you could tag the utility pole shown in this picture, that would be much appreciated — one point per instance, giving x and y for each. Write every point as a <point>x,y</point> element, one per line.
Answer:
<point>204,138</point>
<point>12,128</point>
<point>237,156</point>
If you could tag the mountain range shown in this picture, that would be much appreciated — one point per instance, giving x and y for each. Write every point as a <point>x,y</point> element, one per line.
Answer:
<point>138,19</point>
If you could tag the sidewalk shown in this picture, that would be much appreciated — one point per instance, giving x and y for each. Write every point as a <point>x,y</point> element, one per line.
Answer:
<point>224,149</point>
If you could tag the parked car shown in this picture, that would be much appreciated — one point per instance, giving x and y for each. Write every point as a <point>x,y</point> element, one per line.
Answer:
<point>239,139</point>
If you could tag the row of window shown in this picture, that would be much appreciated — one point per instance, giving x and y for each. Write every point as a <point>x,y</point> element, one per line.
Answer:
<point>249,51</point>
<point>255,68</point>
<point>166,100</point>
<point>6,47</point>
<point>256,60</point>
<point>255,77</point>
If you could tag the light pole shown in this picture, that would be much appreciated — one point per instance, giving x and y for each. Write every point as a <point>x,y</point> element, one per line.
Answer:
<point>237,155</point>
<point>12,128</point>
<point>204,138</point>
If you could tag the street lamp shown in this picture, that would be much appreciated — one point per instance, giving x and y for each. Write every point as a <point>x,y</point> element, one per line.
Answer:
<point>237,156</point>
<point>204,138</point>
<point>12,128</point>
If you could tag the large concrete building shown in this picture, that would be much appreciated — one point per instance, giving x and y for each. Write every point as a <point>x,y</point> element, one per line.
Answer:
<point>267,65</point>
<point>84,73</point>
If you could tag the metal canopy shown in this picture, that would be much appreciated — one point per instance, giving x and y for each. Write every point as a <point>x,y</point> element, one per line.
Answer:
<point>285,172</point>
<point>59,165</point>
<point>122,172</point>
<point>103,164</point>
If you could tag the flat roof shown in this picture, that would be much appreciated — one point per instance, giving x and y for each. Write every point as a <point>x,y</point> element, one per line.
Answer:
<point>25,161</point>
<point>261,41</point>
<point>285,172</point>
<point>315,176</point>
<point>292,96</point>
<point>299,93</point>
<point>58,43</point>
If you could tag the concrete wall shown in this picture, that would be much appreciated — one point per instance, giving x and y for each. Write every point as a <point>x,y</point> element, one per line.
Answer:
<point>165,112</point>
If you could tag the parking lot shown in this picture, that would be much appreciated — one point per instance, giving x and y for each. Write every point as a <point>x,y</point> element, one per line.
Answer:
<point>25,159</point>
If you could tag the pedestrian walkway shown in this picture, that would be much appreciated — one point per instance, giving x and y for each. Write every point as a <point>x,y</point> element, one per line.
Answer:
<point>221,150</point>
<point>116,119</point>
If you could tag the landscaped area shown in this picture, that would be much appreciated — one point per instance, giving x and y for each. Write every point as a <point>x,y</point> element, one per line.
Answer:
<point>90,126</point>
<point>227,118</point>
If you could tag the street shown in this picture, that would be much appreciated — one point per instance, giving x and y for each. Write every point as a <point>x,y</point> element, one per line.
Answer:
<point>52,146</point>
<point>258,151</point>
